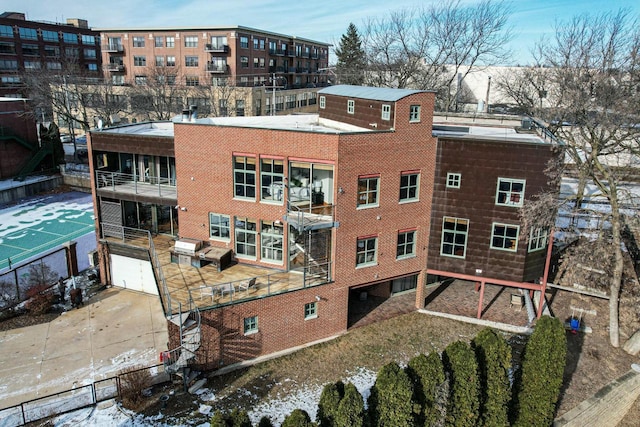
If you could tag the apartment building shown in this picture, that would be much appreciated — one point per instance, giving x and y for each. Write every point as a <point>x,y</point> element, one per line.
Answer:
<point>221,57</point>
<point>284,224</point>
<point>37,45</point>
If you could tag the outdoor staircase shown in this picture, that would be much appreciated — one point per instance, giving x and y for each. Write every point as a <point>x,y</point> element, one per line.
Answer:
<point>177,361</point>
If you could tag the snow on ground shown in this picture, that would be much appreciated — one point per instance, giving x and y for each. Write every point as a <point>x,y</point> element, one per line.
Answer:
<point>276,409</point>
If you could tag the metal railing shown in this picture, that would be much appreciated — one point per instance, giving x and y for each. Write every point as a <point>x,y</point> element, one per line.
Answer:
<point>308,217</point>
<point>124,182</point>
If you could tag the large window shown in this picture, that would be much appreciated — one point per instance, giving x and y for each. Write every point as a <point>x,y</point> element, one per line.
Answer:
<point>51,51</point>
<point>386,112</point>
<point>414,113</point>
<point>191,41</point>
<point>158,41</point>
<point>244,177</point>
<point>368,187</point>
<point>28,33</point>
<point>505,237</point>
<point>367,251</point>
<point>510,192</point>
<point>406,244</point>
<point>454,237</point>
<point>453,180</point>
<point>90,53</point>
<point>50,36</point>
<point>311,310</point>
<point>171,61</point>
<point>170,41</point>
<point>219,226</point>
<point>246,233</point>
<point>138,41</point>
<point>250,325</point>
<point>271,241</point>
<point>140,61</point>
<point>191,61</point>
<point>159,61</point>
<point>538,239</point>
<point>244,42</point>
<point>244,61</point>
<point>7,31</point>
<point>70,38</point>
<point>272,180</point>
<point>192,80</point>
<point>409,184</point>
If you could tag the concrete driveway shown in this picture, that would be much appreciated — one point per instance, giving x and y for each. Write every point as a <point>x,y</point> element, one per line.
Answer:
<point>115,329</point>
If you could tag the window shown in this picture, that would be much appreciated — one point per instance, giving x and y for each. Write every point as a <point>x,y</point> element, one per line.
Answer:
<point>245,237</point>
<point>244,61</point>
<point>140,61</point>
<point>53,51</point>
<point>54,66</point>
<point>505,237</point>
<point>192,80</point>
<point>409,182</point>
<point>138,41</point>
<point>171,80</point>
<point>218,42</point>
<point>141,80</point>
<point>158,41</point>
<point>88,39</point>
<point>538,239</point>
<point>7,31</point>
<point>90,53</point>
<point>250,325</point>
<point>323,100</point>
<point>244,177</point>
<point>368,191</point>
<point>351,106</point>
<point>160,61</point>
<point>171,61</point>
<point>406,244</point>
<point>271,238</point>
<point>510,192</point>
<point>92,67</point>
<point>70,38</point>
<point>244,42</point>
<point>271,180</point>
<point>454,237</point>
<point>366,251</point>
<point>191,41</point>
<point>32,65</point>
<point>49,36</point>
<point>239,107</point>
<point>191,61</point>
<point>414,114</point>
<point>117,79</point>
<point>170,41</point>
<point>386,112</point>
<point>71,52</point>
<point>28,33</point>
<point>311,310</point>
<point>27,49</point>
<point>453,180</point>
<point>219,226</point>
<point>223,109</point>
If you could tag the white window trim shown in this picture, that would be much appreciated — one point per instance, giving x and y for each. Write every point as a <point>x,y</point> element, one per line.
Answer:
<point>272,235</point>
<point>369,205</point>
<point>246,231</point>
<point>508,202</point>
<point>351,106</point>
<point>374,261</point>
<point>315,311</point>
<point>246,172</point>
<point>411,254</point>
<point>413,119</point>
<point>455,232</point>
<point>493,227</point>
<point>323,101</point>
<point>386,112</point>
<point>250,331</point>
<point>541,237</point>
<point>411,199</point>
<point>454,178</point>
<point>223,239</point>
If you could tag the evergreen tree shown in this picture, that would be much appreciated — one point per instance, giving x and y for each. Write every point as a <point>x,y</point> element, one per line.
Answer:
<point>351,409</point>
<point>427,374</point>
<point>390,402</point>
<point>329,400</point>
<point>464,400</point>
<point>538,384</point>
<point>494,361</point>
<point>297,418</point>
<point>265,422</point>
<point>351,58</point>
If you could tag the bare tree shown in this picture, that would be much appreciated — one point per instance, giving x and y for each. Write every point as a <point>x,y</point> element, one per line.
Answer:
<point>434,47</point>
<point>593,85</point>
<point>158,95</point>
<point>219,96</point>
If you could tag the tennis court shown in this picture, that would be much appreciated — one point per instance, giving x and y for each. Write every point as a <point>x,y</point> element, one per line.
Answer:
<point>44,223</point>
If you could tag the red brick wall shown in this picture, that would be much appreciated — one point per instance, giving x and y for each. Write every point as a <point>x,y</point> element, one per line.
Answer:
<point>14,121</point>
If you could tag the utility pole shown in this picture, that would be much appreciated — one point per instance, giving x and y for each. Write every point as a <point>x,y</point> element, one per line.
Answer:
<point>273,95</point>
<point>72,132</point>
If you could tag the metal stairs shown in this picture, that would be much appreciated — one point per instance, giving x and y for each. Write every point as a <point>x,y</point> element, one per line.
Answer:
<point>177,361</point>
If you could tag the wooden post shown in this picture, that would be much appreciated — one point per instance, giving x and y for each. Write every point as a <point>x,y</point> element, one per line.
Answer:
<point>481,298</point>
<point>422,279</point>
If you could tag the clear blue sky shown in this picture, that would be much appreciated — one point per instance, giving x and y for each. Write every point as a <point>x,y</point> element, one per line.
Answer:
<point>323,20</point>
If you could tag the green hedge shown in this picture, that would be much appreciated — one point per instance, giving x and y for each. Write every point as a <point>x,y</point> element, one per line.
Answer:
<point>351,411</point>
<point>464,403</point>
<point>390,402</point>
<point>427,375</point>
<point>330,398</point>
<point>298,418</point>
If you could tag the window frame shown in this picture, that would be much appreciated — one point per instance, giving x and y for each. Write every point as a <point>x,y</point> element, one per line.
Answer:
<point>409,186</point>
<point>322,102</point>
<point>453,180</point>
<point>191,60</point>
<point>405,244</point>
<point>538,239</point>
<point>220,227</point>
<point>351,106</point>
<point>504,237</point>
<point>509,194</point>
<point>191,41</point>
<point>386,112</point>
<point>414,113</point>
<point>246,184</point>
<point>366,251</point>
<point>158,41</point>
<point>244,42</point>
<point>454,232</point>
<point>27,33</point>
<point>269,177</point>
<point>170,41</point>
<point>247,241</point>
<point>311,310</point>
<point>138,41</point>
<point>250,325</point>
<point>140,61</point>
<point>363,200</point>
<point>275,245</point>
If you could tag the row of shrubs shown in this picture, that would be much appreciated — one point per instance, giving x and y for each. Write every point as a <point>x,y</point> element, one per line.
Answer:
<point>470,385</point>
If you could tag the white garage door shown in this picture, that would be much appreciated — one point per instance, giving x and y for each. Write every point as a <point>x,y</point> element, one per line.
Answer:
<point>134,274</point>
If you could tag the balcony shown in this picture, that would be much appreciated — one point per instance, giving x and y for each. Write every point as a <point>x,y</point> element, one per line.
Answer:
<point>113,48</point>
<point>216,68</point>
<point>213,48</point>
<point>114,183</point>
<point>115,68</point>
<point>306,216</point>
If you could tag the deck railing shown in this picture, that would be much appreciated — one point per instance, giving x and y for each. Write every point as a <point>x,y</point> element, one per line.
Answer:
<point>125,182</point>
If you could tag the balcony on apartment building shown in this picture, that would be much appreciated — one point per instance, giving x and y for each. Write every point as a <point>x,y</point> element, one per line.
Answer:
<point>115,68</point>
<point>216,48</point>
<point>218,68</point>
<point>114,183</point>
<point>113,48</point>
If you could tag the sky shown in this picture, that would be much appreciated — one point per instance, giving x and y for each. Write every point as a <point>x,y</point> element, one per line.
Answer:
<point>323,21</point>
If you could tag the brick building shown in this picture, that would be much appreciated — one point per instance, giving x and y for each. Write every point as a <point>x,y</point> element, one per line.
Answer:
<point>316,212</point>
<point>18,136</point>
<point>34,45</point>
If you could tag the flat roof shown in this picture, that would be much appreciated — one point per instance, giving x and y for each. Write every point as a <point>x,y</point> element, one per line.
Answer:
<point>508,134</point>
<point>208,28</point>
<point>367,92</point>
<point>145,129</point>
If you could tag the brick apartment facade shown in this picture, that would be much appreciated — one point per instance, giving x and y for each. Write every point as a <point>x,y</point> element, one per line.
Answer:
<point>348,191</point>
<point>18,136</point>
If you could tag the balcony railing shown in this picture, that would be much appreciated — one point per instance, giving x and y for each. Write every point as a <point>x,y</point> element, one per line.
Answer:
<point>113,48</point>
<point>125,183</point>
<point>308,217</point>
<point>213,67</point>
<point>116,68</point>
<point>213,48</point>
